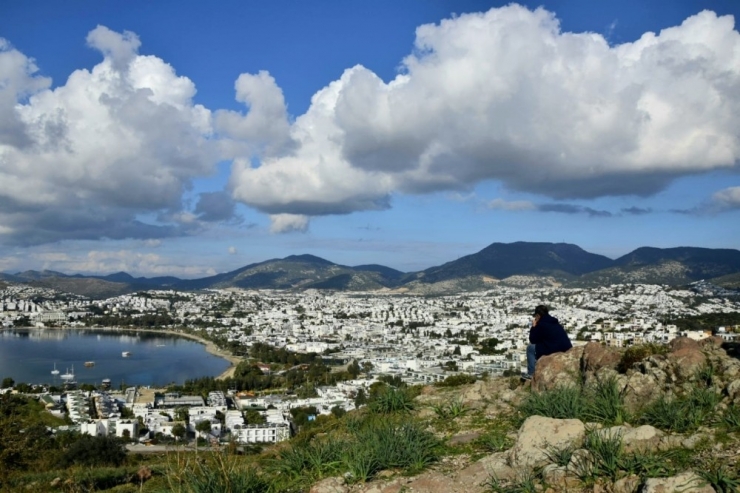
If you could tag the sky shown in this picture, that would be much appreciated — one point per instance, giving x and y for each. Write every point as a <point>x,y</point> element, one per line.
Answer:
<point>190,138</point>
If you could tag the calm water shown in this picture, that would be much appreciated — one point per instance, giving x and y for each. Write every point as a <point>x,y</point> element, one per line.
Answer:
<point>29,355</point>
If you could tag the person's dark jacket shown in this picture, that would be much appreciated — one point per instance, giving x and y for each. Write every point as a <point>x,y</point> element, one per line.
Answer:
<point>548,337</point>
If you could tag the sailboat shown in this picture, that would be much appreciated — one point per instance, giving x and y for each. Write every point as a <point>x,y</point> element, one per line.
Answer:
<point>69,375</point>
<point>55,371</point>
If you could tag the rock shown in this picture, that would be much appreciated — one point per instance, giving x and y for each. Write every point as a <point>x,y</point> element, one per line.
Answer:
<point>558,369</point>
<point>733,389</point>
<point>463,438</point>
<point>683,343</point>
<point>639,390</point>
<point>474,392</point>
<point>643,438</point>
<point>714,342</point>
<point>55,482</point>
<point>597,356</point>
<point>473,477</point>
<point>687,482</point>
<point>329,485</point>
<point>628,484</point>
<point>668,442</point>
<point>539,434</point>
<point>694,440</point>
<point>687,361</point>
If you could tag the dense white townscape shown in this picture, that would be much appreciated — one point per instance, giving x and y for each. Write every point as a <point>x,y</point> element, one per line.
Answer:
<point>418,339</point>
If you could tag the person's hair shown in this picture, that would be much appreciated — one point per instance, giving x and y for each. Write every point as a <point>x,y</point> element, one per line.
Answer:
<point>541,310</point>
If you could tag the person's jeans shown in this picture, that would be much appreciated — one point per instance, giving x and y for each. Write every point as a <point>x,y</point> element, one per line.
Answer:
<point>531,359</point>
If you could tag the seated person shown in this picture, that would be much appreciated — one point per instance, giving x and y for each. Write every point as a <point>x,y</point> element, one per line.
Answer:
<point>546,336</point>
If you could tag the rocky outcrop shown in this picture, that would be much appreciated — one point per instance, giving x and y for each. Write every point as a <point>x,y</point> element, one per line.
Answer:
<point>538,435</point>
<point>641,439</point>
<point>597,356</point>
<point>558,369</point>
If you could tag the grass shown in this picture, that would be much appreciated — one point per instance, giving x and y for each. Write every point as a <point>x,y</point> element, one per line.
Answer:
<point>452,410</point>
<point>683,414</point>
<point>721,478</point>
<point>215,472</point>
<point>525,483</point>
<point>600,402</point>
<point>560,456</point>
<point>393,400</point>
<point>494,441</point>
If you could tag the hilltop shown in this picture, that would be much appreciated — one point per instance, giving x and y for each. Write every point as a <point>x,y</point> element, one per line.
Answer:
<point>519,264</point>
<point>649,418</point>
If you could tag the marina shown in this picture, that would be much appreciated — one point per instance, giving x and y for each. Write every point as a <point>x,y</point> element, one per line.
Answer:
<point>78,356</point>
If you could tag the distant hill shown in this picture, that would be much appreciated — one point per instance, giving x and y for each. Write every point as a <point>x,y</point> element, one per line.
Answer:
<point>673,266</point>
<point>520,264</point>
<point>561,261</point>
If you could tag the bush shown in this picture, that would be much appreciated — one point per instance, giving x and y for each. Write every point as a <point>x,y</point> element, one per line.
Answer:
<point>640,352</point>
<point>456,380</point>
<point>94,451</point>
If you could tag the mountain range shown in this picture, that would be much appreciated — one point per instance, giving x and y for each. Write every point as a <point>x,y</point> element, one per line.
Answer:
<point>523,264</point>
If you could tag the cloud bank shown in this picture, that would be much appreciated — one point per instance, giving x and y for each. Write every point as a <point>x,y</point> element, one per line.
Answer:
<point>506,95</point>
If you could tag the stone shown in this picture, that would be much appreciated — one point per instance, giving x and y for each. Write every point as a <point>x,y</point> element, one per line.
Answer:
<point>55,482</point>
<point>639,390</point>
<point>329,485</point>
<point>644,438</point>
<point>558,369</point>
<point>539,434</point>
<point>669,442</point>
<point>628,484</point>
<point>733,389</point>
<point>597,356</point>
<point>694,440</point>
<point>463,438</point>
<point>687,482</point>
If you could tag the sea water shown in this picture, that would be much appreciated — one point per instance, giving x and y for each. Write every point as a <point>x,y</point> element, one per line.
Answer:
<point>29,356</point>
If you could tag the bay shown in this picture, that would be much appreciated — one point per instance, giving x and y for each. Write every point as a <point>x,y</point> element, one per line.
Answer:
<point>29,355</point>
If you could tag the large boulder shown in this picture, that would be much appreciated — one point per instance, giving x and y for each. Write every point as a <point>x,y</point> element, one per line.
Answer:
<point>538,435</point>
<point>687,482</point>
<point>597,356</point>
<point>687,361</point>
<point>683,343</point>
<point>558,369</point>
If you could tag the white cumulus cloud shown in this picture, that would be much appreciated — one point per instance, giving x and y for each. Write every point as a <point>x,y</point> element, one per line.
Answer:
<point>507,95</point>
<point>109,145</point>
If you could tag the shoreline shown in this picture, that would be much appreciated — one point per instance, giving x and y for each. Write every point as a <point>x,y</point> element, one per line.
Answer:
<point>210,347</point>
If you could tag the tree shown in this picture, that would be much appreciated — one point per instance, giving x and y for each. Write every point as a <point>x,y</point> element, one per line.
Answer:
<point>179,430</point>
<point>8,383</point>
<point>203,427</point>
<point>354,369</point>
<point>253,417</point>
<point>367,367</point>
<point>360,398</point>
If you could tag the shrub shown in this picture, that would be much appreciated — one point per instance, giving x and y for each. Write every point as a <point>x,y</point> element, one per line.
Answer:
<point>456,380</point>
<point>635,354</point>
<point>94,451</point>
<point>392,400</point>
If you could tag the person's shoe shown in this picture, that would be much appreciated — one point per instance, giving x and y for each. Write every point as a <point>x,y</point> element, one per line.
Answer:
<point>526,376</point>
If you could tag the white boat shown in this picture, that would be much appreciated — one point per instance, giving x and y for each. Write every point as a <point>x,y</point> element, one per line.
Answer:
<point>55,371</point>
<point>126,354</point>
<point>69,375</point>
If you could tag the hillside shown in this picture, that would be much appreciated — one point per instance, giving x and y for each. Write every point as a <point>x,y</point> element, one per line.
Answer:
<point>561,261</point>
<point>672,266</point>
<point>649,419</point>
<point>519,264</point>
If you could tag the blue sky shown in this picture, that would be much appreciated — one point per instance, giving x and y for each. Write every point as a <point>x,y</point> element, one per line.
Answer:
<point>181,138</point>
